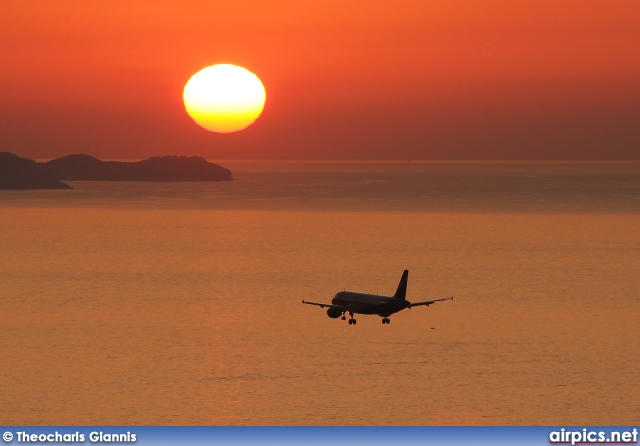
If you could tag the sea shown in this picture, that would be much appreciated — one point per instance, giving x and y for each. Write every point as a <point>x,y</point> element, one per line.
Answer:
<point>130,303</point>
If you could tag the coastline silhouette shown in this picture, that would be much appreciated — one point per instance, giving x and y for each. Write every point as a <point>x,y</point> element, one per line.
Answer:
<point>23,173</point>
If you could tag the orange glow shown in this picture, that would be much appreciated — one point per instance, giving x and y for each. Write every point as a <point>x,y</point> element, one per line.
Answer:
<point>224,98</point>
<point>347,79</point>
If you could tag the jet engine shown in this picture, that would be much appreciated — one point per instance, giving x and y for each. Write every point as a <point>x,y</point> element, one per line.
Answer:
<point>334,312</point>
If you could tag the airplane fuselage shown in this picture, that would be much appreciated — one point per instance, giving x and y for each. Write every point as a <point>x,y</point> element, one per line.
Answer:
<point>364,303</point>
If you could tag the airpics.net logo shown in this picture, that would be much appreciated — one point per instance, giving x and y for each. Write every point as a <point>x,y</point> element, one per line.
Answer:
<point>586,436</point>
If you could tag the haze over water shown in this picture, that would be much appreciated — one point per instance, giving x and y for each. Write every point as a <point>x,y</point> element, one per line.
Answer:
<point>180,303</point>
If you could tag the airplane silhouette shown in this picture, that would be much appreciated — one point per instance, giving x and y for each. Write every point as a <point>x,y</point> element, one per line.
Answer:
<point>362,303</point>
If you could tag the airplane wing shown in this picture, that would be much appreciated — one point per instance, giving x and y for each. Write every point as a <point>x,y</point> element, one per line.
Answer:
<point>429,302</point>
<point>315,303</point>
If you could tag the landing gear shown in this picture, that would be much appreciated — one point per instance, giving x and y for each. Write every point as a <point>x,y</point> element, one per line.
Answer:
<point>344,318</point>
<point>352,321</point>
<point>386,320</point>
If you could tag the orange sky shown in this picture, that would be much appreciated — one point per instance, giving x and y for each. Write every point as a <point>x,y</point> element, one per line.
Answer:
<point>345,79</point>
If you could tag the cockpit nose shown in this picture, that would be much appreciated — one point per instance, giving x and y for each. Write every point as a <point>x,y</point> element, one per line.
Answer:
<point>339,295</point>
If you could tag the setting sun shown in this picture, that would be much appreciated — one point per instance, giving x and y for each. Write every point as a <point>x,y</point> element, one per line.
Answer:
<point>224,98</point>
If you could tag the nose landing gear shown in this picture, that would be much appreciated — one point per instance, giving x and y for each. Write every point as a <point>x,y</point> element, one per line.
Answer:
<point>386,320</point>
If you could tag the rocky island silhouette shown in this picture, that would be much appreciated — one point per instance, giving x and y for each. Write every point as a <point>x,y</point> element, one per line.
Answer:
<point>24,173</point>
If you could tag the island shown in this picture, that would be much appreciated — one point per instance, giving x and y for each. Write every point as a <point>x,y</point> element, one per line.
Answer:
<point>161,168</point>
<point>24,173</point>
<point>18,173</point>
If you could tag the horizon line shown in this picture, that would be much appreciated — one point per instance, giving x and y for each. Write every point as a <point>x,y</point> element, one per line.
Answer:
<point>363,161</point>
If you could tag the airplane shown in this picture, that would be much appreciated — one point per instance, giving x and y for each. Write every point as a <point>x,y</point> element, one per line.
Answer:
<point>361,303</point>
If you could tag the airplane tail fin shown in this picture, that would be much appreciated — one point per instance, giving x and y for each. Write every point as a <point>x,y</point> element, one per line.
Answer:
<point>401,292</point>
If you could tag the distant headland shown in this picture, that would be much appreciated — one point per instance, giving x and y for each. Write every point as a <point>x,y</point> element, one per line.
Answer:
<point>24,173</point>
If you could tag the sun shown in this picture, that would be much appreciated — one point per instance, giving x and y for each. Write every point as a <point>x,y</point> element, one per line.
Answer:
<point>224,98</point>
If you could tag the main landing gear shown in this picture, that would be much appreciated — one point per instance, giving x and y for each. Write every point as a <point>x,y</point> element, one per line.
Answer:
<point>352,321</point>
<point>386,320</point>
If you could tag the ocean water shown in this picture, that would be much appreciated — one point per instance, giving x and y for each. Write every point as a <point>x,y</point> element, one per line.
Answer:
<point>180,303</point>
